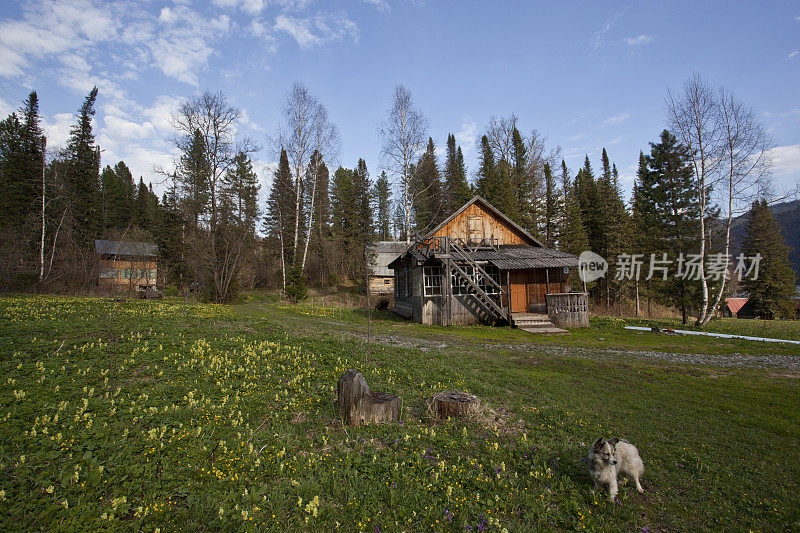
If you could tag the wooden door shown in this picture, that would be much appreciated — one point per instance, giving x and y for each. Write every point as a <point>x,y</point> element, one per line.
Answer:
<point>474,229</point>
<point>519,291</point>
<point>537,290</point>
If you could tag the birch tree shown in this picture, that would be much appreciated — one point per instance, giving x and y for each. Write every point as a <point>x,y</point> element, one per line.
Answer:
<point>729,151</point>
<point>744,165</point>
<point>404,134</point>
<point>693,117</point>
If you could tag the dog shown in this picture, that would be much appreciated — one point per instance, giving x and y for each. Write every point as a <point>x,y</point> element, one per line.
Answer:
<point>608,458</point>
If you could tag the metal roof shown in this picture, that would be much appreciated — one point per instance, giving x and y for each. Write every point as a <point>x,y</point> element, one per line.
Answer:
<point>141,249</point>
<point>519,257</point>
<point>386,252</point>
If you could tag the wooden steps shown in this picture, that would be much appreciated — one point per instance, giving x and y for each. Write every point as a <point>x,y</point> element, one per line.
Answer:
<point>535,323</point>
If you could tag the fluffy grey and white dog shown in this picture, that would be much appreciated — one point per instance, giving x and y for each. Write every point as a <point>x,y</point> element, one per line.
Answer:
<point>608,458</point>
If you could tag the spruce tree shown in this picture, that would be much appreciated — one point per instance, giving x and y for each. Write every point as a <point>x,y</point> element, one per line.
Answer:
<point>11,165</point>
<point>82,170</point>
<point>553,208</point>
<point>382,195</point>
<point>456,188</point>
<point>280,211</point>
<point>240,190</point>
<point>194,173</point>
<point>675,196</point>
<point>574,237</point>
<point>494,181</point>
<point>770,291</point>
<point>427,191</point>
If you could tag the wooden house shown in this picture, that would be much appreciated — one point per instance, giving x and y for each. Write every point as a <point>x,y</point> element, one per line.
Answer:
<point>127,265</point>
<point>381,277</point>
<point>478,266</point>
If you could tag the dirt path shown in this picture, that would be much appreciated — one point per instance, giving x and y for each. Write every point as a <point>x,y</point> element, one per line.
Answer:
<point>445,342</point>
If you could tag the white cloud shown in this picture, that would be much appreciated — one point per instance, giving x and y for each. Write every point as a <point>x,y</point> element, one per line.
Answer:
<point>639,40</point>
<point>52,27</point>
<point>791,55</point>
<point>381,5</point>
<point>598,39</point>
<point>5,109</point>
<point>467,136</point>
<point>616,119</point>
<point>314,31</point>
<point>577,137</point>
<point>786,159</point>
<point>57,131</point>
<point>184,42</point>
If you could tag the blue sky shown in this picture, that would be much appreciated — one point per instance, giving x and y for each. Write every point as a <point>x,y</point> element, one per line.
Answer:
<point>584,74</point>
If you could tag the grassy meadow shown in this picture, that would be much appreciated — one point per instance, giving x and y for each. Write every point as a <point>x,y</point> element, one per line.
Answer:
<point>168,415</point>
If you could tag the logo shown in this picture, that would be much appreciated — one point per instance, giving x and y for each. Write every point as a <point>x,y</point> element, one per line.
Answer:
<point>591,266</point>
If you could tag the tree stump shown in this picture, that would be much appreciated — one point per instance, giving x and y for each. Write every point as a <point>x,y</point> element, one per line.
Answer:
<point>358,405</point>
<point>453,404</point>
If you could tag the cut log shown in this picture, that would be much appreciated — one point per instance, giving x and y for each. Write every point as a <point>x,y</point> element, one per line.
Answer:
<point>358,405</point>
<point>453,404</point>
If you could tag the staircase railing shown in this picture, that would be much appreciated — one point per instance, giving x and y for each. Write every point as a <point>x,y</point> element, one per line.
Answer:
<point>458,253</point>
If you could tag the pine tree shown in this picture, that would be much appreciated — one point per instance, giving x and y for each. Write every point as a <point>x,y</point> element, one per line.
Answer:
<point>574,237</point>
<point>456,188</point>
<point>382,195</point>
<point>240,190</point>
<point>11,165</point>
<point>494,181</point>
<point>363,229</point>
<point>194,173</point>
<point>527,205</point>
<point>586,193</point>
<point>428,191</point>
<point>280,213</point>
<point>82,166</point>
<point>646,236</point>
<point>675,196</point>
<point>770,291</point>
<point>553,208</point>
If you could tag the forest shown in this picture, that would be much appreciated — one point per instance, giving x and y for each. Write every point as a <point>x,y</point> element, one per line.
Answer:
<point>316,223</point>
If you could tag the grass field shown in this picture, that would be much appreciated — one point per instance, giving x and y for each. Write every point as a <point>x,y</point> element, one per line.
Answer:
<point>146,415</point>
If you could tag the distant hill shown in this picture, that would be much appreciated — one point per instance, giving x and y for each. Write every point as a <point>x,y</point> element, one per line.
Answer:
<point>788,216</point>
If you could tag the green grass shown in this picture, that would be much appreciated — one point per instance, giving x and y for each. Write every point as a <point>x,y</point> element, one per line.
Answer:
<point>143,415</point>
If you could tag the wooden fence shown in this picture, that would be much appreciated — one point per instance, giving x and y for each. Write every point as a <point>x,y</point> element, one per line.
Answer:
<point>568,309</point>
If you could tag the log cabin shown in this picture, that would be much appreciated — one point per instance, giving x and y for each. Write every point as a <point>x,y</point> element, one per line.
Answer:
<point>127,265</point>
<point>480,267</point>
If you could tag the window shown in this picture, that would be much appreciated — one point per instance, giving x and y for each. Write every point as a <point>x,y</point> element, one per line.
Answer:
<point>108,273</point>
<point>432,278</point>
<point>401,284</point>
<point>460,285</point>
<point>387,281</point>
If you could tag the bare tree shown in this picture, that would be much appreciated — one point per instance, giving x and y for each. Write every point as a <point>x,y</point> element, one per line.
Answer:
<point>403,134</point>
<point>217,121</point>
<point>744,165</point>
<point>729,150</point>
<point>693,115</point>
<point>500,133</point>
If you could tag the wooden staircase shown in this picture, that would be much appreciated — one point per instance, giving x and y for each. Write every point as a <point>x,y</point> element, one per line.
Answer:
<point>458,253</point>
<point>535,323</point>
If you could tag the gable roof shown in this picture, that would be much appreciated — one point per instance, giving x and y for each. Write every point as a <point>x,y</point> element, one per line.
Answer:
<point>494,211</point>
<point>735,304</point>
<point>143,249</point>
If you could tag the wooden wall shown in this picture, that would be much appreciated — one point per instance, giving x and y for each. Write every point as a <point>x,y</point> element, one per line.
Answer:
<point>490,226</point>
<point>122,282</point>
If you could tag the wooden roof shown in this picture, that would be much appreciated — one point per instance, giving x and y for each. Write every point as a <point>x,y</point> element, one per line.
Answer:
<point>531,240</point>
